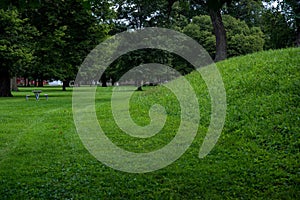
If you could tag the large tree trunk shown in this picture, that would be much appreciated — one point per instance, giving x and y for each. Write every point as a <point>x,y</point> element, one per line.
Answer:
<point>220,33</point>
<point>103,80</point>
<point>5,84</point>
<point>13,84</point>
<point>104,84</point>
<point>66,84</point>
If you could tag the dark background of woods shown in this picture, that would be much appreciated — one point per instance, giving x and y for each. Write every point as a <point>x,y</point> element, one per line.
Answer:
<point>49,39</point>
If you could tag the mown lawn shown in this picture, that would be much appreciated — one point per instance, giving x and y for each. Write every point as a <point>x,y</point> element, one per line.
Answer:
<point>257,155</point>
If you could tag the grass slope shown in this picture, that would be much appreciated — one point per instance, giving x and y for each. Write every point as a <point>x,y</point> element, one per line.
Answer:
<point>257,155</point>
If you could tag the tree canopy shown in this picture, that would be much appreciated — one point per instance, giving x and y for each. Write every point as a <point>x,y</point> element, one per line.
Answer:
<point>16,42</point>
<point>49,39</point>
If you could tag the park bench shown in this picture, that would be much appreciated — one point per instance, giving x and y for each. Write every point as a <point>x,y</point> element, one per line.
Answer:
<point>37,95</point>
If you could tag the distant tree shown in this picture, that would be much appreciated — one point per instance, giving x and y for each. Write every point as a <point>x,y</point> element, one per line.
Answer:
<point>277,31</point>
<point>280,21</point>
<point>69,30</point>
<point>134,59</point>
<point>292,9</point>
<point>180,15</point>
<point>136,14</point>
<point>249,11</point>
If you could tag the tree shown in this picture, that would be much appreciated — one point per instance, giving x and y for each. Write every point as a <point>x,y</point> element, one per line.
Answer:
<point>69,30</point>
<point>219,29</point>
<point>293,10</point>
<point>146,55</point>
<point>201,30</point>
<point>136,14</point>
<point>241,39</point>
<point>214,9</point>
<point>249,11</point>
<point>277,31</point>
<point>16,44</point>
<point>276,18</point>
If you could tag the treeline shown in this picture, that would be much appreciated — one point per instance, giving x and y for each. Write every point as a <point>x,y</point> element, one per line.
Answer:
<point>49,39</point>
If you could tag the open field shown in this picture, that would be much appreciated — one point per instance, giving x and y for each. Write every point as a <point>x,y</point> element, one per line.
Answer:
<point>257,155</point>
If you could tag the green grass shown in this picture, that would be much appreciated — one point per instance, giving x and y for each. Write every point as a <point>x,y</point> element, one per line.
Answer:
<point>256,157</point>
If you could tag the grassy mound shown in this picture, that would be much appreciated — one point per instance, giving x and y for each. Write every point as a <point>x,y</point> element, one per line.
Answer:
<point>257,155</point>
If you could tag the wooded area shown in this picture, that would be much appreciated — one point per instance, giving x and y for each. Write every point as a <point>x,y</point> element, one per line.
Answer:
<point>49,39</point>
